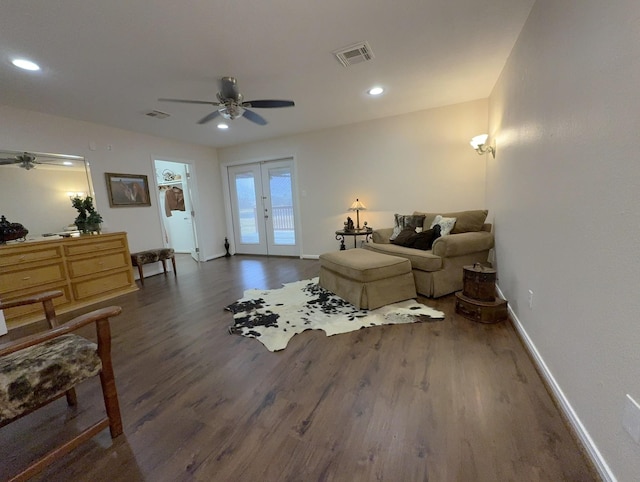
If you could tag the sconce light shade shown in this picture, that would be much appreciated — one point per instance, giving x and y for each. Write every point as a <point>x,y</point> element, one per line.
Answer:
<point>357,206</point>
<point>73,195</point>
<point>479,144</point>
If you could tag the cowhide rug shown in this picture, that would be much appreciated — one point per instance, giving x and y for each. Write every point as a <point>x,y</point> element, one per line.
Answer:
<point>275,316</point>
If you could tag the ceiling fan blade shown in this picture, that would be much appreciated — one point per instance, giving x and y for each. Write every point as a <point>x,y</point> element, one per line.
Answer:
<point>8,161</point>
<point>186,101</point>
<point>253,117</point>
<point>209,117</point>
<point>267,104</point>
<point>229,88</point>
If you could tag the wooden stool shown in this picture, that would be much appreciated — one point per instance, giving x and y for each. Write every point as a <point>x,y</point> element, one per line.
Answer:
<point>153,256</point>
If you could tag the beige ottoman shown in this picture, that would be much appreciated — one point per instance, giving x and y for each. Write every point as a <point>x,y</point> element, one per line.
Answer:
<point>367,279</point>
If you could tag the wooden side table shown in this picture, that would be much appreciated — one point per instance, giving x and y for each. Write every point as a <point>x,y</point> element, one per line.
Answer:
<point>341,234</point>
<point>477,300</point>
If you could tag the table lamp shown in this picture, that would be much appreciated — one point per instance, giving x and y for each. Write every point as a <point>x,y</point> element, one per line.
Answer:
<point>357,206</point>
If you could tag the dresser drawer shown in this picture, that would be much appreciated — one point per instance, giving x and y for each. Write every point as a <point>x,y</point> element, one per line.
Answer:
<point>35,276</point>
<point>82,267</point>
<point>95,245</point>
<point>18,255</point>
<point>99,285</point>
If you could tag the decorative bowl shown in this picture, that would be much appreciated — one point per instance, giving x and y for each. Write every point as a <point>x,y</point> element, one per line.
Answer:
<point>10,231</point>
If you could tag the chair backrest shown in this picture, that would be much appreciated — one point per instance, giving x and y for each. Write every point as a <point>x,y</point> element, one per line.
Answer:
<point>75,359</point>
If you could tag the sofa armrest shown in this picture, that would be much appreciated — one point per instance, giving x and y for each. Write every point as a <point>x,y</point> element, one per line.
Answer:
<point>462,243</point>
<point>381,236</point>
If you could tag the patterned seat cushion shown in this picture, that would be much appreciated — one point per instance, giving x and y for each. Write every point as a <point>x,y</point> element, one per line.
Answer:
<point>151,256</point>
<point>36,374</point>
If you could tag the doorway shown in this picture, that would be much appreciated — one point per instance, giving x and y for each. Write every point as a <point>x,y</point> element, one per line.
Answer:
<point>175,202</point>
<point>263,208</point>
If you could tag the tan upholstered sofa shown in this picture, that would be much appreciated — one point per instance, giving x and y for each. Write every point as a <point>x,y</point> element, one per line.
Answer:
<point>438,271</point>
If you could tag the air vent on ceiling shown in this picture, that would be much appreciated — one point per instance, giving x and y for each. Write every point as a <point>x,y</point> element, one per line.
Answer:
<point>354,54</point>
<point>157,114</point>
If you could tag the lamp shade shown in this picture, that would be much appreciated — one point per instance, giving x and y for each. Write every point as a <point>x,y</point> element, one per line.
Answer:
<point>357,206</point>
<point>478,141</point>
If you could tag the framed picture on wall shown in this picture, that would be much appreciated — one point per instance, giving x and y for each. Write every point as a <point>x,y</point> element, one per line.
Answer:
<point>127,190</point>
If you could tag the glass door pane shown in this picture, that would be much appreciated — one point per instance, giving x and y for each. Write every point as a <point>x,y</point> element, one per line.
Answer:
<point>282,218</point>
<point>247,208</point>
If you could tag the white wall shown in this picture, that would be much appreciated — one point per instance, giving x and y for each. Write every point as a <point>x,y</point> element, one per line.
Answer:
<point>563,193</point>
<point>420,161</point>
<point>115,150</point>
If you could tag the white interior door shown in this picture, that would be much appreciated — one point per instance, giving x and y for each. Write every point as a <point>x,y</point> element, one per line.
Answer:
<point>177,212</point>
<point>263,209</point>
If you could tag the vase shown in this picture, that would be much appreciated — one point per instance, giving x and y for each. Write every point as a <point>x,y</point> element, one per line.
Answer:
<point>88,228</point>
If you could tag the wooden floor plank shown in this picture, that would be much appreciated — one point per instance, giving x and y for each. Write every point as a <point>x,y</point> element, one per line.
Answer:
<point>449,400</point>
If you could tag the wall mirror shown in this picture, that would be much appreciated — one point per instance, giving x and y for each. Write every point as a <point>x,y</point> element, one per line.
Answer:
<point>35,189</point>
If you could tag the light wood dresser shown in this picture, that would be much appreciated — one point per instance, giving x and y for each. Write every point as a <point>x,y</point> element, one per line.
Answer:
<point>87,269</point>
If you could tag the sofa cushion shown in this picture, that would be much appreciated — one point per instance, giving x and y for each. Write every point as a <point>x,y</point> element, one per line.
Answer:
<point>406,221</point>
<point>466,221</point>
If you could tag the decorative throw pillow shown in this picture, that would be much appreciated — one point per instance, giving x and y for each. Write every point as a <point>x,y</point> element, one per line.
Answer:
<point>446,224</point>
<point>425,239</point>
<point>422,240</point>
<point>405,237</point>
<point>405,221</point>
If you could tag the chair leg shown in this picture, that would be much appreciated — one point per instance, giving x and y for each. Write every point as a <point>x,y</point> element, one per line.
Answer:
<point>173,262</point>
<point>72,398</point>
<point>164,265</point>
<point>111,404</point>
<point>141,275</point>
<point>107,380</point>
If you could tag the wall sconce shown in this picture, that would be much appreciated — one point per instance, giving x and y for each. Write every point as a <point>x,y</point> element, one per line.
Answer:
<point>357,206</point>
<point>479,144</point>
<point>73,195</point>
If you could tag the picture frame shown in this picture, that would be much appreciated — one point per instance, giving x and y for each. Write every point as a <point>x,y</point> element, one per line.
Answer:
<point>127,189</point>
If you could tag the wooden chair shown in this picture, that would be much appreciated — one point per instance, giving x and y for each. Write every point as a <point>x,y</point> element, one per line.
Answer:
<point>40,368</point>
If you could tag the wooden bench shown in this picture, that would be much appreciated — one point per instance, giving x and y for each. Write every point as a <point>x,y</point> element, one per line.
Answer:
<point>153,256</point>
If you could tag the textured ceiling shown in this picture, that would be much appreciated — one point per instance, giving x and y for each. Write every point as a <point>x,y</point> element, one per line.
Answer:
<point>109,61</point>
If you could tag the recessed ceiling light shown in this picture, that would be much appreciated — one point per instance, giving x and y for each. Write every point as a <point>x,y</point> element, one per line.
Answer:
<point>223,126</point>
<point>68,163</point>
<point>375,91</point>
<point>25,64</point>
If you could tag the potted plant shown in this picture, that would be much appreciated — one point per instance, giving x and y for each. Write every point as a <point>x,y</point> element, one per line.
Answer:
<point>88,220</point>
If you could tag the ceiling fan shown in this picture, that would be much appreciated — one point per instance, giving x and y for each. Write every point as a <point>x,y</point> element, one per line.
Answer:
<point>26,161</point>
<point>231,106</point>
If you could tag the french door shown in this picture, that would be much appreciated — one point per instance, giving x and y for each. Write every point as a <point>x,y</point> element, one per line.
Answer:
<point>262,207</point>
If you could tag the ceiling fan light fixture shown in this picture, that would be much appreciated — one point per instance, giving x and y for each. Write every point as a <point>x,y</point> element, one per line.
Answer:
<point>374,91</point>
<point>25,64</point>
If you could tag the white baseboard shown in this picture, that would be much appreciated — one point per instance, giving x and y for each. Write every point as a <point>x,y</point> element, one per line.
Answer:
<point>592,450</point>
<point>215,256</point>
<point>310,256</point>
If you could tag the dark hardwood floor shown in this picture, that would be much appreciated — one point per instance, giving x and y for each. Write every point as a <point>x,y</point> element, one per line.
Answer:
<point>451,400</point>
